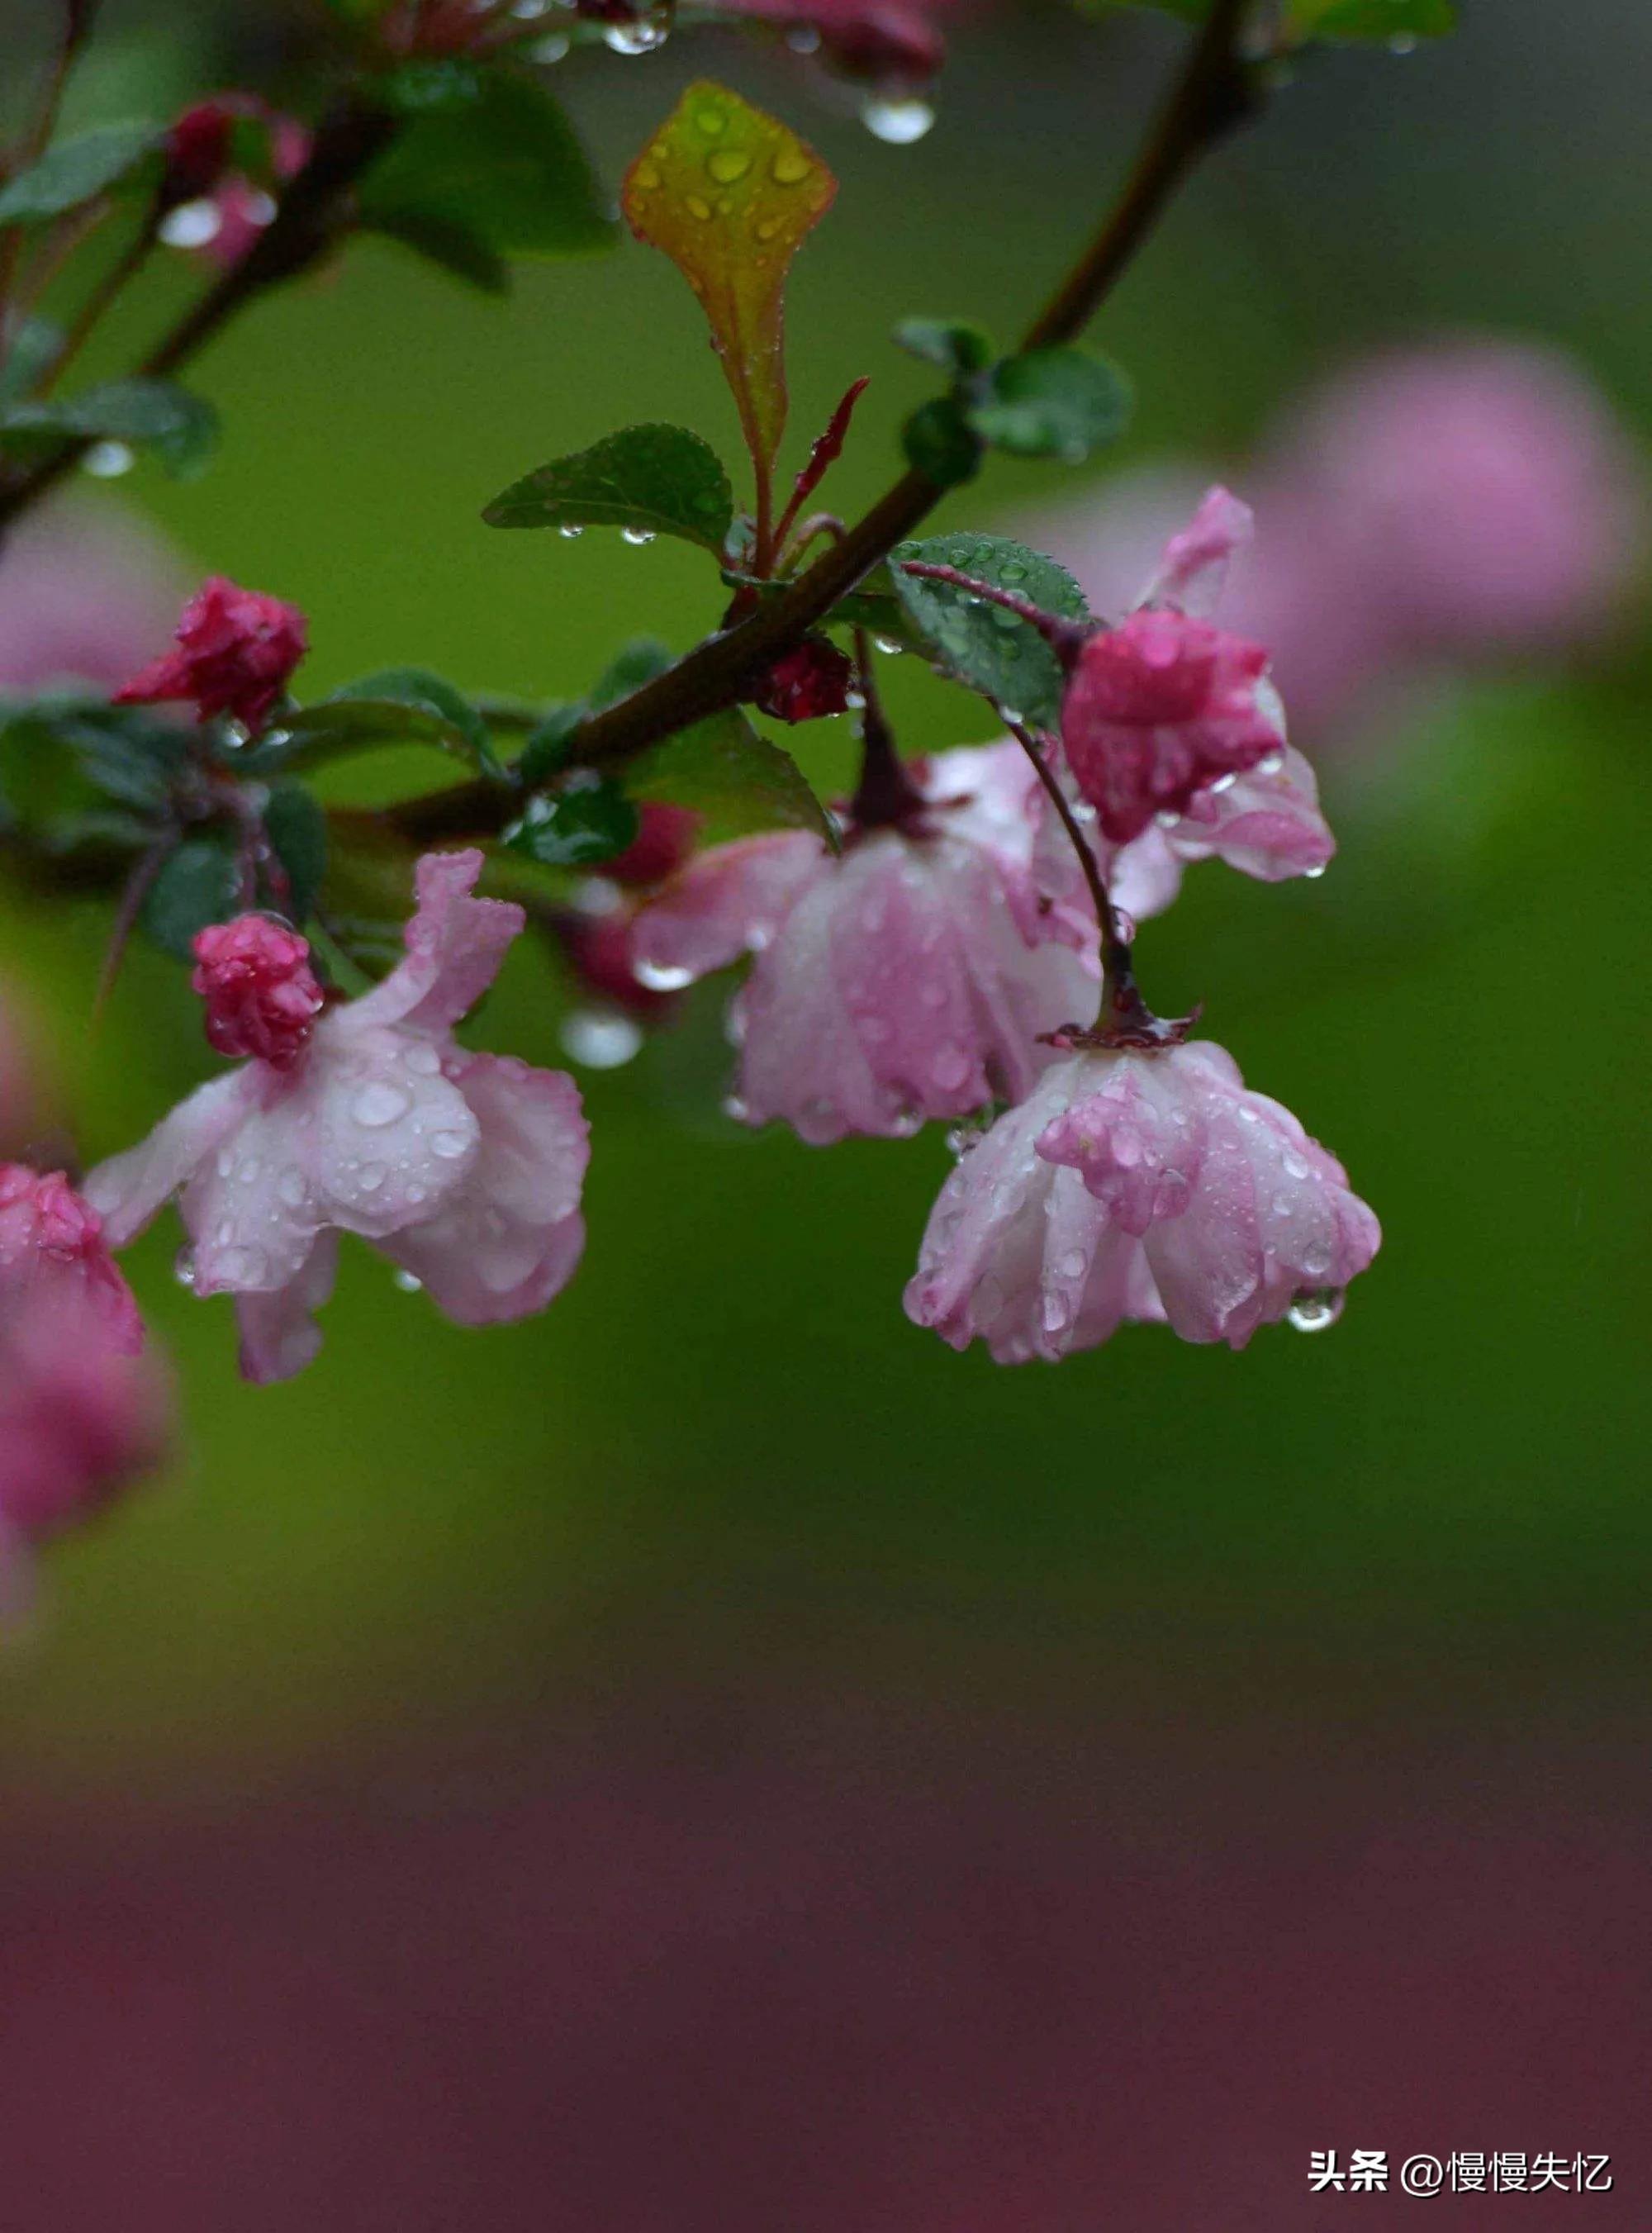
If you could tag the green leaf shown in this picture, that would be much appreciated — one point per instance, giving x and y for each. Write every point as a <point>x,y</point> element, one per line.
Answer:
<point>590,821</point>
<point>739,780</point>
<point>959,349</point>
<point>1052,403</point>
<point>154,414</point>
<point>545,752</point>
<point>122,752</point>
<point>651,480</point>
<point>454,248</point>
<point>939,441</point>
<point>295,824</point>
<point>76,171</point>
<point>34,347</point>
<point>459,728</point>
<point>992,650</point>
<point>496,160</point>
<point>198,884</point>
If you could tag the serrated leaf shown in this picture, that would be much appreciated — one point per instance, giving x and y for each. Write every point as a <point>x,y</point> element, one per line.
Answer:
<point>199,883</point>
<point>76,171</point>
<point>730,194</point>
<point>739,780</point>
<point>980,644</point>
<point>1060,403</point>
<point>498,161</point>
<point>576,828</point>
<point>295,824</point>
<point>651,479</point>
<point>958,347</point>
<point>155,414</point>
<point>459,728</point>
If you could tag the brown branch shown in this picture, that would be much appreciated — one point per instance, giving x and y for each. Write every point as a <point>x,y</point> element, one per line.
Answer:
<point>1212,94</point>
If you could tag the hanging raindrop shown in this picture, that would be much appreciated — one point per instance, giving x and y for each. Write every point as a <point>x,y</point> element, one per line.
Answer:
<point>896,122</point>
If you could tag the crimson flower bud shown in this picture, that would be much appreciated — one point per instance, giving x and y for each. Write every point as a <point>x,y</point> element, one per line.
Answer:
<point>261,994</point>
<point>808,683</point>
<point>236,651</point>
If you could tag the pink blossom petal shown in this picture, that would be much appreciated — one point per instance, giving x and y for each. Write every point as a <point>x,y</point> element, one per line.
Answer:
<point>728,902</point>
<point>510,1237</point>
<point>128,1189</point>
<point>1193,569</point>
<point>279,1335</point>
<point>455,945</point>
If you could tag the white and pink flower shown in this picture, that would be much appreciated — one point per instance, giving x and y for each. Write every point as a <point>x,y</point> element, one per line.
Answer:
<point>465,1170</point>
<point>907,977</point>
<point>1148,1186</point>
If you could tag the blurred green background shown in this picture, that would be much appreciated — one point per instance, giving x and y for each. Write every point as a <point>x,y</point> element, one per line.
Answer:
<point>724,1454</point>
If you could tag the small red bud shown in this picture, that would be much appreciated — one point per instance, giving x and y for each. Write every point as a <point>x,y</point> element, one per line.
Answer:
<point>261,994</point>
<point>808,683</point>
<point>236,651</point>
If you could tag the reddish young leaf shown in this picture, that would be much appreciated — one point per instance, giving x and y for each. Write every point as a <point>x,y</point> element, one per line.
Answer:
<point>729,194</point>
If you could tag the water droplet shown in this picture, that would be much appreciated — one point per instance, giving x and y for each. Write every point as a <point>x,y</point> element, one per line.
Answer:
<point>897,122</point>
<point>728,164</point>
<point>450,1146</point>
<point>290,1187</point>
<point>1013,713</point>
<point>1166,819</point>
<point>570,533</point>
<point>1072,1264</point>
<point>951,1067</point>
<point>224,1161</point>
<point>1314,875</point>
<point>661,977</point>
<point>1271,765</point>
<point>551,48</point>
<point>183,1267</point>
<point>888,646</point>
<point>1222,783</point>
<point>192,224</point>
<point>371,1177</point>
<point>789,167</point>
<point>423,1061</point>
<point>601,1039</point>
<point>416,1194</point>
<point>379,1104</point>
<point>1404,43</point>
<point>409,1283</point>
<point>641,36</point>
<point>734,1107</point>
<point>639,536</point>
<point>107,461</point>
<point>697,205</point>
<point>1315,1308</point>
<point>242,1268</point>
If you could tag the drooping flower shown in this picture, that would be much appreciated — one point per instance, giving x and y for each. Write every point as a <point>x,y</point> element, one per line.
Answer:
<point>84,592</point>
<point>907,977</point>
<point>1148,1186</point>
<point>465,1170</point>
<point>1165,705</point>
<point>1266,823</point>
<point>236,653</point>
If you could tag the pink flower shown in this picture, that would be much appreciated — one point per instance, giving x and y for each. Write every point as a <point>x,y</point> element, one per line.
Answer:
<point>1161,707</point>
<point>1142,1186</point>
<point>236,651</point>
<point>465,1170</point>
<point>908,978</point>
<point>84,592</point>
<point>53,1248</point>
<point>1266,823</point>
<point>664,840</point>
<point>261,994</point>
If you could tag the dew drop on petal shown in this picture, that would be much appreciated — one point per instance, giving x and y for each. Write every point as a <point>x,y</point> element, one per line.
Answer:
<point>183,1267</point>
<point>450,1146</point>
<point>661,976</point>
<point>290,1187</point>
<point>409,1283</point>
<point>379,1104</point>
<point>1315,1308</point>
<point>371,1177</point>
<point>599,1039</point>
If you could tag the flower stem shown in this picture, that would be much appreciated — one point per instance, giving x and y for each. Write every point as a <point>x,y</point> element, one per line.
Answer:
<point>885,794</point>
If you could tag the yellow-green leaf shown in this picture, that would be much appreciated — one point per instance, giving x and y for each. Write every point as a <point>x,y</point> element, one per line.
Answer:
<point>729,194</point>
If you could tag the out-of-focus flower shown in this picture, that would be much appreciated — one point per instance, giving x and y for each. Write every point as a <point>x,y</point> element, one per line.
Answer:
<point>84,592</point>
<point>216,212</point>
<point>1454,503</point>
<point>236,651</point>
<point>893,47</point>
<point>908,978</point>
<point>82,1412</point>
<point>664,840</point>
<point>1141,1185</point>
<point>465,1170</point>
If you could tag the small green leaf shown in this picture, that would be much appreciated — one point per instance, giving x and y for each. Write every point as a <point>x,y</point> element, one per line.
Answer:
<point>650,480</point>
<point>494,158</point>
<point>979,644</point>
<point>199,883</point>
<point>739,780</point>
<point>939,441</point>
<point>452,248</point>
<point>1052,403</point>
<point>959,349</point>
<point>76,171</point>
<point>545,752</point>
<point>589,822</point>
<point>154,414</point>
<point>461,728</point>
<point>296,825</point>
